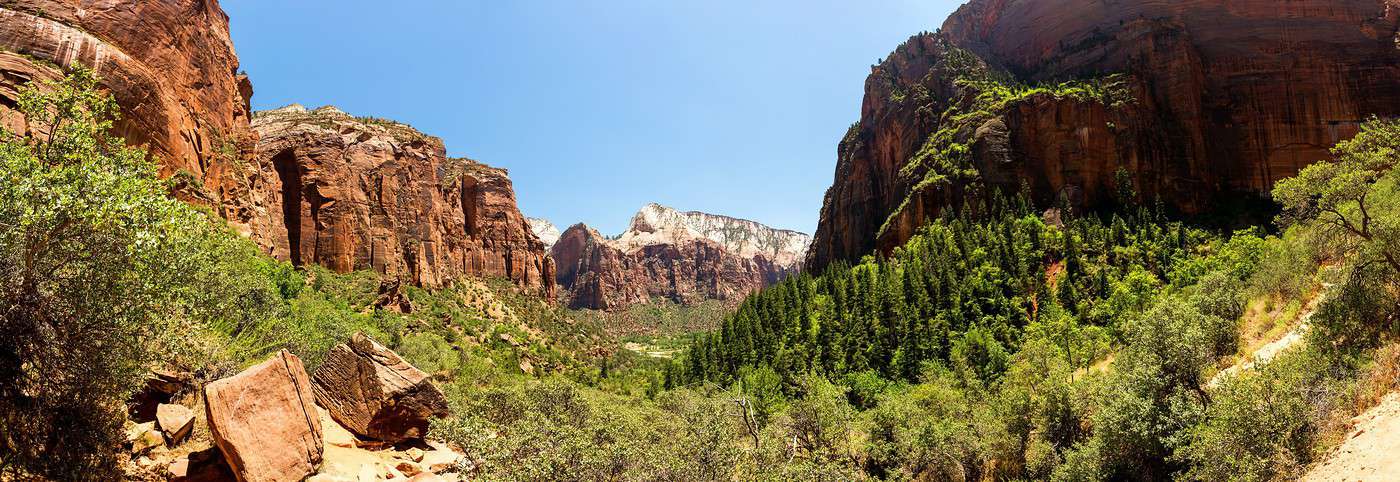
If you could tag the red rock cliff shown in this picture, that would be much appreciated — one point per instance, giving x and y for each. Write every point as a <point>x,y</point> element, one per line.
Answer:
<point>684,257</point>
<point>364,197</point>
<point>360,193</point>
<point>1227,96</point>
<point>170,65</point>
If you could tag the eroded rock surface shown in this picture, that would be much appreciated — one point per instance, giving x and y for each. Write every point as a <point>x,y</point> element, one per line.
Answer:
<point>685,257</point>
<point>170,65</point>
<point>1228,97</point>
<point>362,193</point>
<point>264,421</point>
<point>374,393</point>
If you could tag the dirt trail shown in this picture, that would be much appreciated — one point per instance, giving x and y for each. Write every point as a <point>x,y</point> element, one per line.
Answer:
<point>1371,451</point>
<point>1268,352</point>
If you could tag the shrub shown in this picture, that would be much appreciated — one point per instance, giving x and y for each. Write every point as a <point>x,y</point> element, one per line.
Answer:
<point>101,268</point>
<point>1259,426</point>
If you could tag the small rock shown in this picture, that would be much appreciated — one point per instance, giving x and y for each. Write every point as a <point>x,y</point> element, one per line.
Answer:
<point>415,453</point>
<point>409,468</point>
<point>175,421</point>
<point>143,437</point>
<point>161,386</point>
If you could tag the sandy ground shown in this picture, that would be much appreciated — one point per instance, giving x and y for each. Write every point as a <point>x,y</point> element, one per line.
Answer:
<point>1372,450</point>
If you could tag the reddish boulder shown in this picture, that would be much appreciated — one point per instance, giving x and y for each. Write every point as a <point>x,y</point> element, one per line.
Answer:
<point>264,421</point>
<point>175,421</point>
<point>374,393</point>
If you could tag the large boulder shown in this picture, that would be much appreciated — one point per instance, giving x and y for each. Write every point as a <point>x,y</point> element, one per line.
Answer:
<point>375,393</point>
<point>264,422</point>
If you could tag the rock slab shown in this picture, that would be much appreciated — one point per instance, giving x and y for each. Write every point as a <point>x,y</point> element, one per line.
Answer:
<point>175,421</point>
<point>264,421</point>
<point>374,393</point>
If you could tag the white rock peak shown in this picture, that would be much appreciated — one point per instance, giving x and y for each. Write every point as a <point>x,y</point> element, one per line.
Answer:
<point>656,224</point>
<point>545,230</point>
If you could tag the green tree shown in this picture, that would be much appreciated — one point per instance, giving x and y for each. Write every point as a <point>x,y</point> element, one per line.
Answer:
<point>100,267</point>
<point>1352,199</point>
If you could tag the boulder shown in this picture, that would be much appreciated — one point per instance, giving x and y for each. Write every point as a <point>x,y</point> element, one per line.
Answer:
<point>143,437</point>
<point>161,386</point>
<point>375,393</point>
<point>203,466</point>
<point>264,422</point>
<point>175,421</point>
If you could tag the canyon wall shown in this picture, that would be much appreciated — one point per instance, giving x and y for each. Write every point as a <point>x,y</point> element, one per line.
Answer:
<point>364,193</point>
<point>170,65</point>
<point>1211,99</point>
<point>354,193</point>
<point>665,254</point>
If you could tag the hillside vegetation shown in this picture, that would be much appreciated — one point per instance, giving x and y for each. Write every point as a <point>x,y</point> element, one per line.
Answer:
<point>1001,343</point>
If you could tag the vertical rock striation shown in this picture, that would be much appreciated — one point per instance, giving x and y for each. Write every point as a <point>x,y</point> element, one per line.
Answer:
<point>364,194</point>
<point>360,193</point>
<point>1211,98</point>
<point>170,65</point>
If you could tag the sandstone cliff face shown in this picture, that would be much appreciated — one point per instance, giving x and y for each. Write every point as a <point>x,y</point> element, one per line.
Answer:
<point>371,194</point>
<point>359,193</point>
<point>1227,96</point>
<point>685,257</point>
<point>169,64</point>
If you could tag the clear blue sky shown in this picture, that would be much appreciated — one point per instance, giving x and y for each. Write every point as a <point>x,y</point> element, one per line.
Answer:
<point>599,106</point>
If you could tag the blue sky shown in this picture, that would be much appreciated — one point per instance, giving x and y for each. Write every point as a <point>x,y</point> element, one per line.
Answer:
<point>598,107</point>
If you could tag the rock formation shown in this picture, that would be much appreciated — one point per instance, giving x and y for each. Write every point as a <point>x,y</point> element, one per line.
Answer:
<point>385,196</point>
<point>361,193</point>
<point>685,257</point>
<point>170,65</point>
<point>264,421</point>
<point>545,230</point>
<point>374,393</point>
<point>1211,98</point>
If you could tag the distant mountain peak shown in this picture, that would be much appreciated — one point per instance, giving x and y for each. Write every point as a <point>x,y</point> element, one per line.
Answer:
<point>545,230</point>
<point>657,224</point>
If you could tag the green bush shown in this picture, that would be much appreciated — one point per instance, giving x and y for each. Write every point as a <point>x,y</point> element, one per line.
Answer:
<point>103,271</point>
<point>1259,426</point>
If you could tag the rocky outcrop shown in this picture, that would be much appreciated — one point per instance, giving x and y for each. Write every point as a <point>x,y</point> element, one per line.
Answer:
<point>374,393</point>
<point>545,230</point>
<point>685,257</point>
<point>170,65</point>
<point>386,197</point>
<point>1212,98</point>
<point>361,193</point>
<point>264,421</point>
